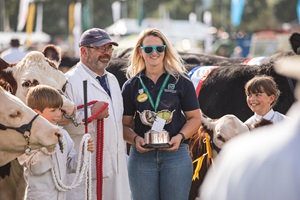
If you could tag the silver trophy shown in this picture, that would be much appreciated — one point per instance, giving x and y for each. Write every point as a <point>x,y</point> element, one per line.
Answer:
<point>154,139</point>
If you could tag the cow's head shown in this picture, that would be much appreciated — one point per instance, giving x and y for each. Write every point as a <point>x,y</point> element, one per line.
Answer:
<point>16,116</point>
<point>34,69</point>
<point>224,128</point>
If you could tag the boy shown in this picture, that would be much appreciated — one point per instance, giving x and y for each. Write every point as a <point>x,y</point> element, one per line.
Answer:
<point>47,102</point>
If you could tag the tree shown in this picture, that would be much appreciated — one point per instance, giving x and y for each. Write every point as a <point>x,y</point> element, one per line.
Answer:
<point>285,10</point>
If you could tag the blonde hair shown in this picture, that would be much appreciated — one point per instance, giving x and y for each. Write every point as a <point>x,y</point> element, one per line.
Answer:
<point>43,96</point>
<point>263,84</point>
<point>173,63</point>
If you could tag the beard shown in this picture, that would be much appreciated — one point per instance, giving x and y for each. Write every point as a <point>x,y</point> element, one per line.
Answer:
<point>98,65</point>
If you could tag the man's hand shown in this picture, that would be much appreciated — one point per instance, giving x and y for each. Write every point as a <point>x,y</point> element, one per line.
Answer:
<point>96,107</point>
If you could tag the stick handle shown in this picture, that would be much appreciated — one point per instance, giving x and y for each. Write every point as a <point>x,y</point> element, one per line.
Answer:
<point>85,105</point>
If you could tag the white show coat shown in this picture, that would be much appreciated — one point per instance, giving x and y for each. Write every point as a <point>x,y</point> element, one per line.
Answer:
<point>115,174</point>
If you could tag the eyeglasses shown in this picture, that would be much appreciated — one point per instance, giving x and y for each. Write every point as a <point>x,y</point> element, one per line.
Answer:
<point>102,49</point>
<point>149,49</point>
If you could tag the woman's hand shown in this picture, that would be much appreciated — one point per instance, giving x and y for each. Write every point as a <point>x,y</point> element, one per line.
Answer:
<point>139,143</point>
<point>175,143</point>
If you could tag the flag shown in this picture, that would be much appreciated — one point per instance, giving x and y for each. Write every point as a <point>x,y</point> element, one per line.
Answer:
<point>30,19</point>
<point>39,17</point>
<point>30,22</point>
<point>298,11</point>
<point>23,13</point>
<point>237,7</point>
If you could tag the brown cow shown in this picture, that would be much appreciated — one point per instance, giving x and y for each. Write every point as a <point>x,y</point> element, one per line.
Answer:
<point>34,69</point>
<point>216,133</point>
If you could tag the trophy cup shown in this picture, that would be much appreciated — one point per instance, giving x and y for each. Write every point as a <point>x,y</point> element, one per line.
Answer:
<point>157,136</point>
<point>154,139</point>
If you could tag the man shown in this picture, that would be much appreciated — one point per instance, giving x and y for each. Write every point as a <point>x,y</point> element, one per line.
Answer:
<point>13,54</point>
<point>96,49</point>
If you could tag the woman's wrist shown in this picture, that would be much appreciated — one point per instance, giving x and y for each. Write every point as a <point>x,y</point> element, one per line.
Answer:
<point>183,137</point>
<point>134,139</point>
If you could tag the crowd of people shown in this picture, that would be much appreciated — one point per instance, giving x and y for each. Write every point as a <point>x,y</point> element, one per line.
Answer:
<point>158,93</point>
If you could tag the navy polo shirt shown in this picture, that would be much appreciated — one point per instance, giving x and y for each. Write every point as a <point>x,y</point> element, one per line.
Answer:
<point>179,95</point>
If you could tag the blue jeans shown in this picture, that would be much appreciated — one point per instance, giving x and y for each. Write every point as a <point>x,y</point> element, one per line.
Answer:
<point>159,174</point>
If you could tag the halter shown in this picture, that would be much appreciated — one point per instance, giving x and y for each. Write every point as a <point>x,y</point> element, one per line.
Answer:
<point>72,118</point>
<point>22,129</point>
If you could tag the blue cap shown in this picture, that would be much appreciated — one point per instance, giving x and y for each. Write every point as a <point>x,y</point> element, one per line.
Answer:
<point>96,36</point>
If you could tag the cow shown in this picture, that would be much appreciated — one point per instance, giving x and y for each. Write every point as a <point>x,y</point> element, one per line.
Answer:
<point>34,69</point>
<point>20,129</point>
<point>206,144</point>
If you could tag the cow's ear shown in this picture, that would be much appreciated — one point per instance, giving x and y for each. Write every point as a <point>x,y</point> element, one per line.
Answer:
<point>295,42</point>
<point>3,64</point>
<point>7,80</point>
<point>53,53</point>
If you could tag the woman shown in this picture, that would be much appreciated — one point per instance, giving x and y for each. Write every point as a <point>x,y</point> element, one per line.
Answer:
<point>159,88</point>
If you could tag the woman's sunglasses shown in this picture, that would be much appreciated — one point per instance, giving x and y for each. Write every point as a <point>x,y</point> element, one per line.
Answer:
<point>149,49</point>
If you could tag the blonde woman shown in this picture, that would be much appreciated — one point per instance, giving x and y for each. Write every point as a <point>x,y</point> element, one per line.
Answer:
<point>159,88</point>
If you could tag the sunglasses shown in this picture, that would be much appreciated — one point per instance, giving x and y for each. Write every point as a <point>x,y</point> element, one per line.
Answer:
<point>149,49</point>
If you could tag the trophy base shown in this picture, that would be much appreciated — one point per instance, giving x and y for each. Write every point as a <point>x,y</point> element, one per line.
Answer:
<point>157,146</point>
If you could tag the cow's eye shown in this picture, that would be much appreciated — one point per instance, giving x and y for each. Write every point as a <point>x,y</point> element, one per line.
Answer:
<point>15,114</point>
<point>219,137</point>
<point>26,84</point>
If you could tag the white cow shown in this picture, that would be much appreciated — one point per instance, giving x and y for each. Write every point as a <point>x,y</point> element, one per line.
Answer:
<point>13,114</point>
<point>34,69</point>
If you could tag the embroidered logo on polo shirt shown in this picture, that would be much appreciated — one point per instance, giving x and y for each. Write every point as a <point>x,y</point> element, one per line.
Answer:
<point>171,88</point>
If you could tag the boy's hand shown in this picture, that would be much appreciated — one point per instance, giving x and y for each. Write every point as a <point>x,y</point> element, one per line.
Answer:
<point>91,146</point>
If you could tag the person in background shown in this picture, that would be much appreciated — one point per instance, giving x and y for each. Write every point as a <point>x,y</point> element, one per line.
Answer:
<point>14,53</point>
<point>47,102</point>
<point>262,94</point>
<point>159,88</point>
<point>237,52</point>
<point>96,48</point>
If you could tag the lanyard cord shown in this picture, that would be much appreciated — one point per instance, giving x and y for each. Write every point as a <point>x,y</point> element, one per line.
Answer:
<point>159,93</point>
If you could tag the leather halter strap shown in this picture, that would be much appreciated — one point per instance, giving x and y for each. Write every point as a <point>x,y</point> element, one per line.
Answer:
<point>21,129</point>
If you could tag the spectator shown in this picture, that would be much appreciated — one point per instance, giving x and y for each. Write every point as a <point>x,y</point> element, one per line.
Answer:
<point>14,53</point>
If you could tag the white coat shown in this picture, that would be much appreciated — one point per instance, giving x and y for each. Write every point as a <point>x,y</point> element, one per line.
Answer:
<point>37,171</point>
<point>115,174</point>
